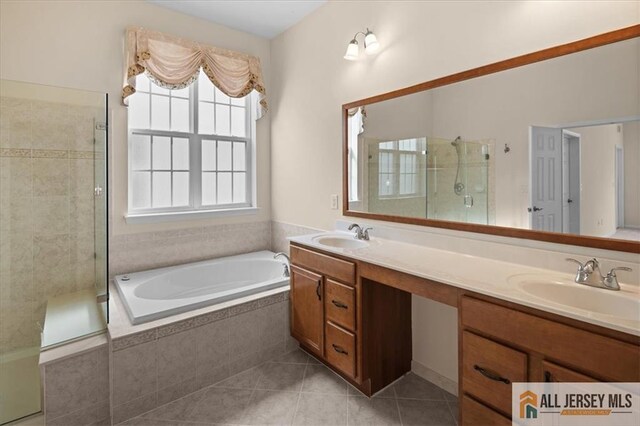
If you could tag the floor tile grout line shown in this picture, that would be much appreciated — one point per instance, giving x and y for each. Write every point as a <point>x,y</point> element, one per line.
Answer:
<point>348,398</point>
<point>395,394</point>
<point>295,411</point>
<point>204,392</point>
<point>455,419</point>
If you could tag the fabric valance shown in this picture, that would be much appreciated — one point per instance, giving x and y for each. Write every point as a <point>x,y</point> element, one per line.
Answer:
<point>174,63</point>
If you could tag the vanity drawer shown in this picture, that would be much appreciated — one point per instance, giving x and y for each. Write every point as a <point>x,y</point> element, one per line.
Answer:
<point>326,265</point>
<point>556,373</point>
<point>340,349</point>
<point>340,304</point>
<point>474,414</point>
<point>571,345</point>
<point>489,368</point>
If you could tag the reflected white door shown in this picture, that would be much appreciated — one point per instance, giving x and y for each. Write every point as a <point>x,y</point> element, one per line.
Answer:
<point>570,182</point>
<point>545,211</point>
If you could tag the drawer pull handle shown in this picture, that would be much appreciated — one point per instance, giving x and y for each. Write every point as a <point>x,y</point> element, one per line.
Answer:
<point>491,375</point>
<point>318,290</point>
<point>339,349</point>
<point>339,304</point>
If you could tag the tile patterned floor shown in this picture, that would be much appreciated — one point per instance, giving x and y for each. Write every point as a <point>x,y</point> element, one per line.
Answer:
<point>297,390</point>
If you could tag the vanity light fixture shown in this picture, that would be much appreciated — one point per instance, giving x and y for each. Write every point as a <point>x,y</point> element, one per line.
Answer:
<point>371,45</point>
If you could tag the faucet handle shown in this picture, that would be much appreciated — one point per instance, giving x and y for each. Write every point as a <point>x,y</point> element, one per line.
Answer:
<point>580,265</point>
<point>612,272</point>
<point>611,280</point>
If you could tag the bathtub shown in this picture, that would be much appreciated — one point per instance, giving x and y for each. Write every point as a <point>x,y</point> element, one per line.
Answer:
<point>159,293</point>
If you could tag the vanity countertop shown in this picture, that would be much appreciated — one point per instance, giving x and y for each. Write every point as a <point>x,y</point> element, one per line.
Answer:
<point>499,279</point>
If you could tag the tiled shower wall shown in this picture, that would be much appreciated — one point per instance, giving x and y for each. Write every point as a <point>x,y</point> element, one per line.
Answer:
<point>46,211</point>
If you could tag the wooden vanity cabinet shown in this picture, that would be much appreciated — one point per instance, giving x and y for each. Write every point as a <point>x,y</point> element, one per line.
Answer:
<point>358,327</point>
<point>323,308</point>
<point>356,318</point>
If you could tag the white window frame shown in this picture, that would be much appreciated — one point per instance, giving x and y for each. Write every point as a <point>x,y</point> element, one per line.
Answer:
<point>396,153</point>
<point>196,209</point>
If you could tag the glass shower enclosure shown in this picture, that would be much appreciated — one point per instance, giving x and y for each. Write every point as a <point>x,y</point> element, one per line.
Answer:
<point>53,230</point>
<point>431,178</point>
<point>458,174</point>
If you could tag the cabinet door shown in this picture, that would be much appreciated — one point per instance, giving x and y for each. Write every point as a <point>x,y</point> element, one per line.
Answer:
<point>307,317</point>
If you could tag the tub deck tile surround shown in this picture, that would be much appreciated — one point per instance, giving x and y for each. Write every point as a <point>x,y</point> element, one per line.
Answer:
<point>75,381</point>
<point>134,339</point>
<point>161,361</point>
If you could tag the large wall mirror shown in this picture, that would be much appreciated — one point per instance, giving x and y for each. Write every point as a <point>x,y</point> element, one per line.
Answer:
<point>545,146</point>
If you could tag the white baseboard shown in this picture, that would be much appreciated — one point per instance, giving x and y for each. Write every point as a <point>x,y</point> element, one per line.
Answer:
<point>434,377</point>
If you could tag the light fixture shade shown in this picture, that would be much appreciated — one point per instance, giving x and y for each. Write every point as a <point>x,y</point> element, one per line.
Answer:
<point>352,51</point>
<point>371,44</point>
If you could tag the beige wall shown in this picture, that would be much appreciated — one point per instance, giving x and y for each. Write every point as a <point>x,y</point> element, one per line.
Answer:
<point>419,41</point>
<point>80,45</point>
<point>598,190</point>
<point>502,107</point>
<point>631,134</point>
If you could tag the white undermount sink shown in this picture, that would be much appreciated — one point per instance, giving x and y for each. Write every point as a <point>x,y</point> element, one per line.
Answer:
<point>620,304</point>
<point>340,241</point>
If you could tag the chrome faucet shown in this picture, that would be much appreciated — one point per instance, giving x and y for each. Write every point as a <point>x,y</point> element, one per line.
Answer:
<point>286,265</point>
<point>361,234</point>
<point>589,274</point>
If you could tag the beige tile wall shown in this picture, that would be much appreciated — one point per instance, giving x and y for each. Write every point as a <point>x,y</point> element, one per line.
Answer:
<point>148,250</point>
<point>280,231</point>
<point>76,389</point>
<point>160,365</point>
<point>46,211</point>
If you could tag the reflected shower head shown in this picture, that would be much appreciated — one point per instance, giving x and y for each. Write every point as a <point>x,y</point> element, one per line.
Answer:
<point>456,141</point>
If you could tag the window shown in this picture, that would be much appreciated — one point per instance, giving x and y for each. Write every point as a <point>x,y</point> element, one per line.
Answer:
<point>355,128</point>
<point>189,149</point>
<point>399,165</point>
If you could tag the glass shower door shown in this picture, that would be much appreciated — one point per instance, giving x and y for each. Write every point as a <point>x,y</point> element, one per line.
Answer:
<point>458,180</point>
<point>52,230</point>
<point>100,210</point>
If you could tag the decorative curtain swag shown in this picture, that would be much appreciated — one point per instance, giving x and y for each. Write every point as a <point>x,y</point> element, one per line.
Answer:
<point>174,63</point>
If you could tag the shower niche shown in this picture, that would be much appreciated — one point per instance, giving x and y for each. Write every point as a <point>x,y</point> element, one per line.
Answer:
<point>53,230</point>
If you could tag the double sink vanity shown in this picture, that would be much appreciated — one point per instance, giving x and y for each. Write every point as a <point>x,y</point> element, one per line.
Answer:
<point>351,308</point>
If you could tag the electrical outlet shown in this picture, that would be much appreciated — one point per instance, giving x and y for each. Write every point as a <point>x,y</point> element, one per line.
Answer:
<point>334,201</point>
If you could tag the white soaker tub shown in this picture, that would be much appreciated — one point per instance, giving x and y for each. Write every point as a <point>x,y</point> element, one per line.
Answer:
<point>159,293</point>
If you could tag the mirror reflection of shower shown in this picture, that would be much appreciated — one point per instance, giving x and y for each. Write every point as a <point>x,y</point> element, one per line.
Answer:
<point>458,187</point>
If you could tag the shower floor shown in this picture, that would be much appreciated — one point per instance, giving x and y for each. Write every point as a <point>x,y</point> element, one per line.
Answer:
<point>19,384</point>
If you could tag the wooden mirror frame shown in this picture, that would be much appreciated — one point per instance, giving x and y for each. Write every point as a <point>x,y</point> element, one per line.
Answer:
<point>518,61</point>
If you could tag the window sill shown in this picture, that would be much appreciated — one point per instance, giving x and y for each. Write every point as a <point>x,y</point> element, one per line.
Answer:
<point>134,218</point>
